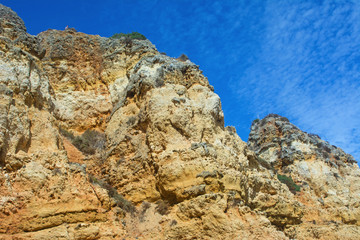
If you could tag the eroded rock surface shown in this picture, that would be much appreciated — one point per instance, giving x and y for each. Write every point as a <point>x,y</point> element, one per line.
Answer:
<point>328,177</point>
<point>159,162</point>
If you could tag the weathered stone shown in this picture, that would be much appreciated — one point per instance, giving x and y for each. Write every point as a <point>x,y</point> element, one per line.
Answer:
<point>168,168</point>
<point>324,172</point>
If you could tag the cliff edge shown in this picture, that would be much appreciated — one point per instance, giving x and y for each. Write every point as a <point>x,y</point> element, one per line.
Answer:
<point>109,139</point>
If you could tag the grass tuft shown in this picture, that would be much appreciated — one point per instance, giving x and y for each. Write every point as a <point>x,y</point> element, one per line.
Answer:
<point>293,187</point>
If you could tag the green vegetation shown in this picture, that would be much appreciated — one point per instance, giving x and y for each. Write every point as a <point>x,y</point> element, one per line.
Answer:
<point>112,192</point>
<point>293,187</point>
<point>284,119</point>
<point>133,35</point>
<point>88,142</point>
<point>256,121</point>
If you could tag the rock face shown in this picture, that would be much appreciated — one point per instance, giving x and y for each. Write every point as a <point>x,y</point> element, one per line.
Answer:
<point>107,138</point>
<point>328,177</point>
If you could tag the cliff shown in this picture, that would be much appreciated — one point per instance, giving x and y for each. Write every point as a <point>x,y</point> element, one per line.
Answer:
<point>107,138</point>
<point>326,175</point>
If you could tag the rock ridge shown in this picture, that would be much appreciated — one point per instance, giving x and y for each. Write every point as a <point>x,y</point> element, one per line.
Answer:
<point>110,139</point>
<point>326,174</point>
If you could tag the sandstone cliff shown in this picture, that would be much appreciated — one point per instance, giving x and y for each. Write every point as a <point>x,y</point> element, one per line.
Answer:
<point>109,139</point>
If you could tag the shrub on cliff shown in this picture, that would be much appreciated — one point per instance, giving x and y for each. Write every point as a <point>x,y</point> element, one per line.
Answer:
<point>112,192</point>
<point>133,35</point>
<point>162,207</point>
<point>66,133</point>
<point>89,142</point>
<point>183,58</point>
<point>293,187</point>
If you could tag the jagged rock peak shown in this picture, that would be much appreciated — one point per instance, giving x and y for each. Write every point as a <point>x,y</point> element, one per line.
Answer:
<point>275,131</point>
<point>109,139</point>
<point>324,175</point>
<point>84,119</point>
<point>9,17</point>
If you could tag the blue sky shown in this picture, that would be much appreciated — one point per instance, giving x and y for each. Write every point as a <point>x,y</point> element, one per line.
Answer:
<point>299,59</point>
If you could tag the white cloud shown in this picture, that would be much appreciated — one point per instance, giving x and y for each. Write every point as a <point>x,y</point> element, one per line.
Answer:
<point>297,59</point>
<point>309,68</point>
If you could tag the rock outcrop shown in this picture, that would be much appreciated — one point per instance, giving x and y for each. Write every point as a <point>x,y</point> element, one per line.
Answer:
<point>328,177</point>
<point>107,138</point>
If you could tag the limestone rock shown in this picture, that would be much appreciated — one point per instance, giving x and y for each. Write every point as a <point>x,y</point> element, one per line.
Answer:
<point>11,23</point>
<point>165,166</point>
<point>330,191</point>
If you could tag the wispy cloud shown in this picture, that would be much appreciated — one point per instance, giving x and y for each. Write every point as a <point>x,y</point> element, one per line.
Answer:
<point>300,59</point>
<point>308,69</point>
<point>297,59</point>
